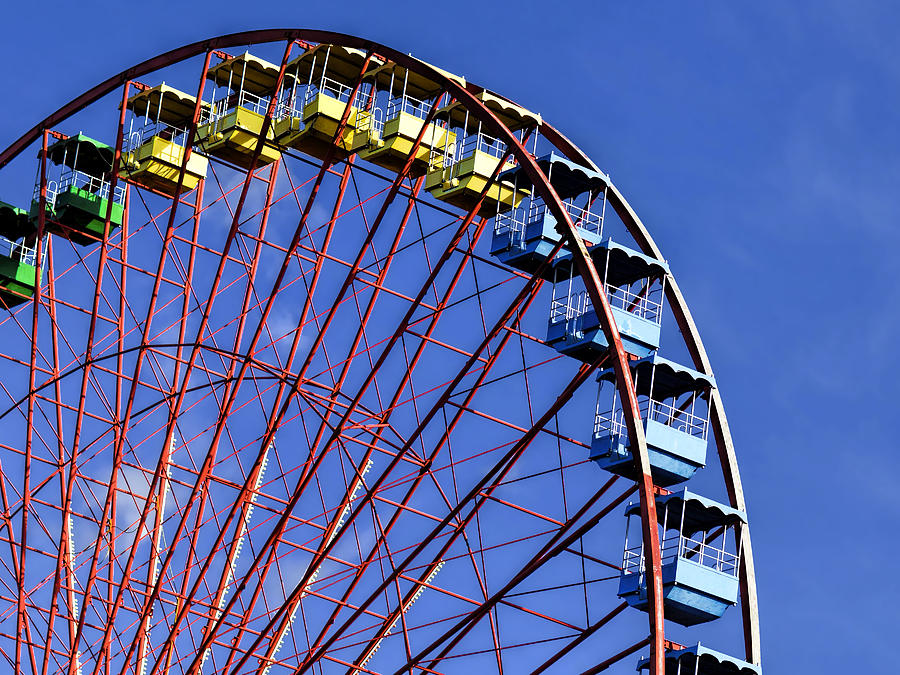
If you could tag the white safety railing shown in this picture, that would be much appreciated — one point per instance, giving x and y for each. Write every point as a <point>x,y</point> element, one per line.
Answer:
<point>571,307</point>
<point>286,106</point>
<point>23,252</point>
<point>443,156</point>
<point>241,99</point>
<point>633,560</point>
<point>585,218</point>
<point>370,121</point>
<point>677,546</point>
<point>294,100</point>
<point>700,552</point>
<point>137,137</point>
<point>612,422</point>
<point>682,420</point>
<point>482,143</point>
<point>336,90</point>
<point>639,304</point>
<point>50,195</point>
<point>77,179</point>
<point>517,219</point>
<point>407,104</point>
<point>72,178</point>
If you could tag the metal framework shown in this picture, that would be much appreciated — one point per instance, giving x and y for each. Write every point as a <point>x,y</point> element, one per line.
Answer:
<point>296,419</point>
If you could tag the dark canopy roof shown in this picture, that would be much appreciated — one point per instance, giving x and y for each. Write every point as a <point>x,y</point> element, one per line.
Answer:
<point>342,64</point>
<point>82,153</point>
<point>418,86</point>
<point>165,103</point>
<point>617,264</point>
<point>14,223</point>
<point>700,513</point>
<point>669,378</point>
<point>256,75</point>
<point>567,178</point>
<point>711,662</point>
<point>513,116</point>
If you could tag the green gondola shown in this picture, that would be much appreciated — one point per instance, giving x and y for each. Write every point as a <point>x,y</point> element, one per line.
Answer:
<point>18,270</point>
<point>77,207</point>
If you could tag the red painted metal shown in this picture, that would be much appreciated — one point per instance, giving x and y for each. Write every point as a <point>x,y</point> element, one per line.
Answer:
<point>67,492</point>
<point>345,369</point>
<point>21,619</point>
<point>496,475</point>
<point>600,667</point>
<point>219,427</point>
<point>117,456</point>
<point>339,411</point>
<point>408,495</point>
<point>309,471</point>
<point>558,543</point>
<point>194,352</point>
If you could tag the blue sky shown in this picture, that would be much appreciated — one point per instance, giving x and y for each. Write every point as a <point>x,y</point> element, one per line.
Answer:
<point>759,143</point>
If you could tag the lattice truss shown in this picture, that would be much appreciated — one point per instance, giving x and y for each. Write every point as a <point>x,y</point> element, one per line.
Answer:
<point>300,419</point>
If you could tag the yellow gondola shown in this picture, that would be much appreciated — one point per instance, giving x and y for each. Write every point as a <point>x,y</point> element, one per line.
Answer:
<point>467,170</point>
<point>410,96</point>
<point>156,150</point>
<point>317,90</point>
<point>233,124</point>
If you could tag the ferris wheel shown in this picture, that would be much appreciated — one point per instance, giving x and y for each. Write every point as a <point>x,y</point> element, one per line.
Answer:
<point>317,358</point>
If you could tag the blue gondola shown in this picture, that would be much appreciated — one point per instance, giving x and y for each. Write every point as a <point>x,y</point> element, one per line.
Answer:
<point>700,660</point>
<point>634,285</point>
<point>700,558</point>
<point>526,235</point>
<point>674,405</point>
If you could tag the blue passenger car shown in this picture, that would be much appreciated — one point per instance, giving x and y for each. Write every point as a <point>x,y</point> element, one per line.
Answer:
<point>674,405</point>
<point>526,235</point>
<point>700,660</point>
<point>700,558</point>
<point>634,285</point>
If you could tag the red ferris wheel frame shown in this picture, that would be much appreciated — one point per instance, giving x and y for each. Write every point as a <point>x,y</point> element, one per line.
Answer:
<point>618,357</point>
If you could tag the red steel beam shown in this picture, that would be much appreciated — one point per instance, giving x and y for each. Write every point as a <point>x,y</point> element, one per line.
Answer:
<point>89,347</point>
<point>392,341</point>
<point>270,301</point>
<point>584,635</point>
<point>495,475</point>
<point>444,438</point>
<point>363,321</point>
<point>558,543</point>
<point>255,36</point>
<point>260,142</point>
<point>21,618</point>
<point>136,376</point>
<point>600,667</point>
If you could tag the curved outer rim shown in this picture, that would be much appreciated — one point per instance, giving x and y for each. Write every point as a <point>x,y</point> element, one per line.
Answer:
<point>724,442</point>
<point>583,261</point>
